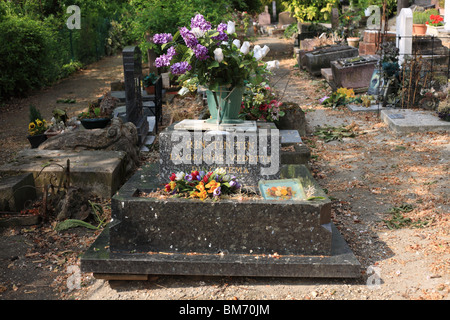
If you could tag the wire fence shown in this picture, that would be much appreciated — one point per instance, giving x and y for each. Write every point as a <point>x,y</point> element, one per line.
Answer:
<point>416,78</point>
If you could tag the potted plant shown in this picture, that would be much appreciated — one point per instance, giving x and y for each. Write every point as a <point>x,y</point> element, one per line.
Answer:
<point>349,22</point>
<point>149,83</point>
<point>260,103</point>
<point>419,22</point>
<point>36,128</point>
<point>94,117</point>
<point>213,58</point>
<point>434,24</point>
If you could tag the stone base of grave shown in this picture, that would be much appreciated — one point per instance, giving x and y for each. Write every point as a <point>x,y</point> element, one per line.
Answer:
<point>97,171</point>
<point>404,121</point>
<point>105,264</point>
<point>261,238</point>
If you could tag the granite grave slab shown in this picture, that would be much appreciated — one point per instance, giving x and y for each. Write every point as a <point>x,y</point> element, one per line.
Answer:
<point>320,58</point>
<point>225,238</point>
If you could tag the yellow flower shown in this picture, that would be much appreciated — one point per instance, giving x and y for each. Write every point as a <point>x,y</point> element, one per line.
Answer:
<point>202,195</point>
<point>31,126</point>
<point>39,123</point>
<point>200,186</point>
<point>212,186</point>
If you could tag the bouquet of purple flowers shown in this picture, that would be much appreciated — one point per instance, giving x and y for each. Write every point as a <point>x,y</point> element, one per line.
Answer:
<point>210,57</point>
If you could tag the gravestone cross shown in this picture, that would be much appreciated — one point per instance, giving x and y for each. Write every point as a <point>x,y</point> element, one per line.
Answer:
<point>132,69</point>
<point>404,33</point>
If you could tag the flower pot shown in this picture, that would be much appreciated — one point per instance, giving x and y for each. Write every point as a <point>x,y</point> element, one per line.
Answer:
<point>150,89</point>
<point>434,31</point>
<point>36,140</point>
<point>230,103</point>
<point>353,41</point>
<point>98,123</point>
<point>419,29</point>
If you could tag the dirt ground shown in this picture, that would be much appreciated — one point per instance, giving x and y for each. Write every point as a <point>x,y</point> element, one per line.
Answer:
<point>369,178</point>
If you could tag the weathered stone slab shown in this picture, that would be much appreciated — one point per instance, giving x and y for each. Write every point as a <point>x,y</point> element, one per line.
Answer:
<point>148,237</point>
<point>353,72</point>
<point>100,172</point>
<point>320,58</point>
<point>403,121</point>
<point>15,191</point>
<point>241,227</point>
<point>250,156</point>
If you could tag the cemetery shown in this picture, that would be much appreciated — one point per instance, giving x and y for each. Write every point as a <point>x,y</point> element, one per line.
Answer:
<point>278,153</point>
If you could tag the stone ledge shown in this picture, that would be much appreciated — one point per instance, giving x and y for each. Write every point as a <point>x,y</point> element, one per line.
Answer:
<point>340,264</point>
<point>100,172</point>
<point>403,121</point>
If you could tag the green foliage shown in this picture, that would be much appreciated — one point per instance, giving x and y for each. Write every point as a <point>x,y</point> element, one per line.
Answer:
<point>28,61</point>
<point>310,10</point>
<point>291,30</point>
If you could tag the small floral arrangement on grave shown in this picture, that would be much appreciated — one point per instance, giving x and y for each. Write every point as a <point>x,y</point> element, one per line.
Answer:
<point>260,103</point>
<point>443,110</point>
<point>341,96</point>
<point>202,185</point>
<point>435,20</point>
<point>210,57</point>
<point>37,124</point>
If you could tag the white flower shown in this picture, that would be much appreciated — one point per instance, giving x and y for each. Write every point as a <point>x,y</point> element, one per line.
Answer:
<point>265,50</point>
<point>179,176</point>
<point>275,64</point>
<point>256,48</point>
<point>220,171</point>
<point>198,33</point>
<point>237,43</point>
<point>231,27</point>
<point>257,54</point>
<point>218,55</point>
<point>183,91</point>
<point>245,47</point>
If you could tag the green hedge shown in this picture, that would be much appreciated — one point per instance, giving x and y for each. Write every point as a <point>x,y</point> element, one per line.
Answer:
<point>28,57</point>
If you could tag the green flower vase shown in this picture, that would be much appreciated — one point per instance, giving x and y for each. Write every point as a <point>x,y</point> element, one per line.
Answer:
<point>230,103</point>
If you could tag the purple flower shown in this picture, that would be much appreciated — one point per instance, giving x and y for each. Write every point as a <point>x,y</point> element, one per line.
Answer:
<point>188,177</point>
<point>164,59</point>
<point>201,52</point>
<point>221,28</point>
<point>188,37</point>
<point>321,100</point>
<point>199,22</point>
<point>161,38</point>
<point>216,192</point>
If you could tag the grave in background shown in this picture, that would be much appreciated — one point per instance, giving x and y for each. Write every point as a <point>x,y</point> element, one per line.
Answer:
<point>354,73</point>
<point>132,69</point>
<point>321,57</point>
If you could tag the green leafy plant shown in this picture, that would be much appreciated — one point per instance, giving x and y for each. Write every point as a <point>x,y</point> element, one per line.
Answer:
<point>341,96</point>
<point>94,111</point>
<point>149,79</point>
<point>259,103</point>
<point>310,10</point>
<point>420,17</point>
<point>398,220</point>
<point>98,212</point>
